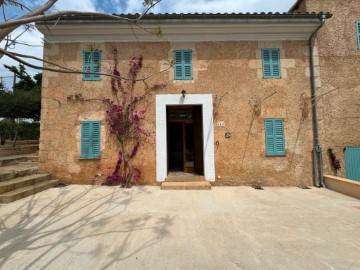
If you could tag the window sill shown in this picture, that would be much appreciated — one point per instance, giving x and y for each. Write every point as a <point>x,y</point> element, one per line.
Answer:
<point>89,158</point>
<point>183,81</point>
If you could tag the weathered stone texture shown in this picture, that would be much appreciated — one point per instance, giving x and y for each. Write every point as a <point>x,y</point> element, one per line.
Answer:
<point>219,67</point>
<point>339,92</point>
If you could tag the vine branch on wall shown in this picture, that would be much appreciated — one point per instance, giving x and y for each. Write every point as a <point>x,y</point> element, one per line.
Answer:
<point>256,111</point>
<point>217,103</point>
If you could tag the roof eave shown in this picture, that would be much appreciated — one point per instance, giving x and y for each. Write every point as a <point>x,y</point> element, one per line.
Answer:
<point>176,30</point>
<point>207,16</point>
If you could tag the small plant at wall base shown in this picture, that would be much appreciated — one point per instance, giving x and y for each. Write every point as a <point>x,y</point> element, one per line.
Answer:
<point>334,161</point>
<point>124,116</point>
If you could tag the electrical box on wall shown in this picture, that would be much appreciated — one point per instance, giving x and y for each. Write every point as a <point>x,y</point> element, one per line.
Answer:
<point>221,124</point>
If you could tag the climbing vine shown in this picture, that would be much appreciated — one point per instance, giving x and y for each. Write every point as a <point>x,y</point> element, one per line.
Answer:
<point>125,113</point>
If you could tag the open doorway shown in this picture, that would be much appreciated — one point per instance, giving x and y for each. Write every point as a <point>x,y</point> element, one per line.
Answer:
<point>185,139</point>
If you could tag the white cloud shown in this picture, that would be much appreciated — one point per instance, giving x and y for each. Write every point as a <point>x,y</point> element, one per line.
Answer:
<point>222,6</point>
<point>207,6</point>
<point>133,6</point>
<point>34,38</point>
<point>81,5</point>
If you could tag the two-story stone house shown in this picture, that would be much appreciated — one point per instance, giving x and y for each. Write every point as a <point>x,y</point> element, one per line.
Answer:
<point>237,107</point>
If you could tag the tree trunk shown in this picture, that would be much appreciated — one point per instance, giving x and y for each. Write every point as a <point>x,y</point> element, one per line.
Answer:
<point>128,170</point>
<point>2,140</point>
<point>14,127</point>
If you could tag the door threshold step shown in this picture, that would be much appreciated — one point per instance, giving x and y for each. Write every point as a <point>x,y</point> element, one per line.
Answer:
<point>185,178</point>
<point>193,185</point>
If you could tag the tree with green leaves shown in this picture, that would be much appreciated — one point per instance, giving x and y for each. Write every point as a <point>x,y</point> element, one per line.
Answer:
<point>5,131</point>
<point>24,102</point>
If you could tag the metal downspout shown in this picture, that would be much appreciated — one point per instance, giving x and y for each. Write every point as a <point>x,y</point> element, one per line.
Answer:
<point>317,151</point>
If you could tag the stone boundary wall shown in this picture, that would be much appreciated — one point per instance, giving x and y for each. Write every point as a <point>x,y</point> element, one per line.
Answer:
<point>342,185</point>
<point>28,149</point>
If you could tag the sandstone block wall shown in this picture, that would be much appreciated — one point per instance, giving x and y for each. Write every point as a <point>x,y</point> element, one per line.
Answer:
<point>229,69</point>
<point>339,88</point>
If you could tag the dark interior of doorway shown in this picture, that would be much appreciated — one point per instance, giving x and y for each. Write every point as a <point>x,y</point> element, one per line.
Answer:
<point>185,139</point>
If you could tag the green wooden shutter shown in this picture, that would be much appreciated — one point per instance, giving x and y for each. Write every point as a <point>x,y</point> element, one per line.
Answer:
<point>90,139</point>
<point>96,65</point>
<point>87,60</point>
<point>85,139</point>
<point>187,65</point>
<point>178,65</point>
<point>279,137</point>
<point>266,59</point>
<point>183,65</point>
<point>271,63</point>
<point>274,137</point>
<point>352,163</point>
<point>358,33</point>
<point>91,63</point>
<point>269,137</point>
<point>275,58</point>
<point>95,139</point>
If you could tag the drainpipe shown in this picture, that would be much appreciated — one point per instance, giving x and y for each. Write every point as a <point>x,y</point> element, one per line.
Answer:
<point>317,151</point>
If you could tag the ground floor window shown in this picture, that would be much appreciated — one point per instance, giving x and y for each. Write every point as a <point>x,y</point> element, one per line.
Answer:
<point>274,137</point>
<point>90,139</point>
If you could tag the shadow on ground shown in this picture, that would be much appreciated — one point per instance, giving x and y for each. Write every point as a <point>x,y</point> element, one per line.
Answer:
<point>72,223</point>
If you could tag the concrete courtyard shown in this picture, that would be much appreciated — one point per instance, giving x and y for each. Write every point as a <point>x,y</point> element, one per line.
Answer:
<point>84,227</point>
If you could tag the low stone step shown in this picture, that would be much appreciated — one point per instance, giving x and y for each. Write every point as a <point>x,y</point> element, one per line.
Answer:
<point>29,163</point>
<point>24,181</point>
<point>12,160</point>
<point>198,185</point>
<point>20,193</point>
<point>185,178</point>
<point>12,171</point>
<point>33,158</point>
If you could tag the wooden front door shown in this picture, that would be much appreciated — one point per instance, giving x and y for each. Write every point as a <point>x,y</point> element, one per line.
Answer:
<point>184,139</point>
<point>198,140</point>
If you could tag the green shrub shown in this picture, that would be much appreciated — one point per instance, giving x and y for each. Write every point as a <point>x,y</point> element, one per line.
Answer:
<point>28,130</point>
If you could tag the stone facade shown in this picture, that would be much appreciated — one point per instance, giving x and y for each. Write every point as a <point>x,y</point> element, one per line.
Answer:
<point>228,69</point>
<point>339,69</point>
<point>231,68</point>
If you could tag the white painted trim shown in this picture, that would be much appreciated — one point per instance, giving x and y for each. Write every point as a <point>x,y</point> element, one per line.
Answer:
<point>161,133</point>
<point>80,31</point>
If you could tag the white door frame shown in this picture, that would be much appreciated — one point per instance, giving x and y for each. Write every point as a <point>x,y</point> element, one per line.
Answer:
<point>161,131</point>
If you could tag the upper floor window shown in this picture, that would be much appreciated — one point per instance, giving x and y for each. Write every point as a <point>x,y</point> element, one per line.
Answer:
<point>90,139</point>
<point>274,137</point>
<point>183,65</point>
<point>271,63</point>
<point>91,63</point>
<point>358,33</point>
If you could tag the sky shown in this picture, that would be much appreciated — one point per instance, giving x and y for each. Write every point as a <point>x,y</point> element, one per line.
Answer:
<point>129,6</point>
